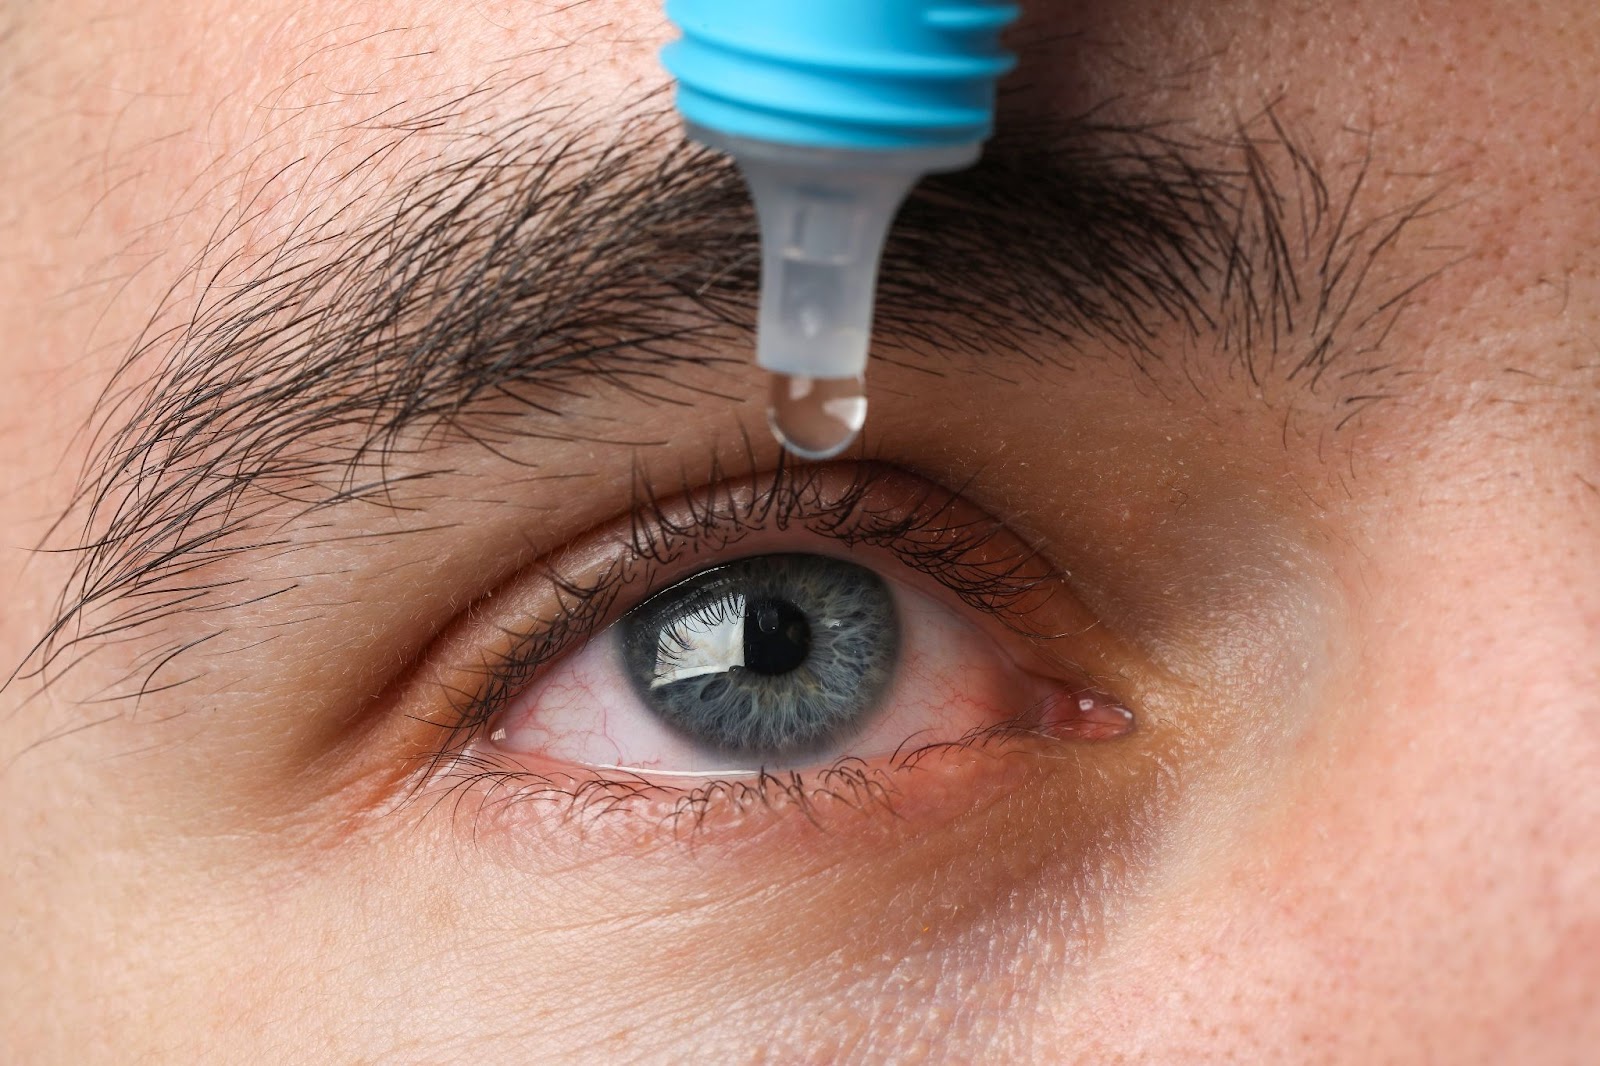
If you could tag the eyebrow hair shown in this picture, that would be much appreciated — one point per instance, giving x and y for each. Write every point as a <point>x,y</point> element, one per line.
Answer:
<point>544,258</point>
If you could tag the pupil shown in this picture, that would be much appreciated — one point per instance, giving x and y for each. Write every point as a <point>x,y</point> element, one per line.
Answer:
<point>777,638</point>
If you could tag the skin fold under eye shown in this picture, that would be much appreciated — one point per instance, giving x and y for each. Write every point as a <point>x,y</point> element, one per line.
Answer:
<point>777,630</point>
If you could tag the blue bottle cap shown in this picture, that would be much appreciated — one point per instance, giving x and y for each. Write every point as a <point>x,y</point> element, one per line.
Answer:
<point>841,74</point>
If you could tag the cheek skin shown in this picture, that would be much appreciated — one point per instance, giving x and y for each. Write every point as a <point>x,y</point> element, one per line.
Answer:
<point>815,934</point>
<point>994,856</point>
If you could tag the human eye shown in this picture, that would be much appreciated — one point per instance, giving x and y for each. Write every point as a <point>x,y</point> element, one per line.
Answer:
<point>849,632</point>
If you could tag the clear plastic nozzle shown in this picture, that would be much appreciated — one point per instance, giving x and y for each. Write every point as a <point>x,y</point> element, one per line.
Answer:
<point>824,216</point>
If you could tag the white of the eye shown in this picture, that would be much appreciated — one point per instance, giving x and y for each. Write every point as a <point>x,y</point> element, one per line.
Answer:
<point>696,646</point>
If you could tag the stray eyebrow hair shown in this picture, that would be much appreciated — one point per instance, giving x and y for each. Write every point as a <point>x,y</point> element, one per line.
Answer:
<point>485,291</point>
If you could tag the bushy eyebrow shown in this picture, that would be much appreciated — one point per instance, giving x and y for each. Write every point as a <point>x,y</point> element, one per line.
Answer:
<point>490,287</point>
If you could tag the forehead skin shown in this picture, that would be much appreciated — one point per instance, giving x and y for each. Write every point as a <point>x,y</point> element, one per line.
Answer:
<point>1422,883</point>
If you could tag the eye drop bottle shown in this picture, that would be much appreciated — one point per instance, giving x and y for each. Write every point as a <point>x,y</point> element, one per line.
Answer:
<point>833,110</point>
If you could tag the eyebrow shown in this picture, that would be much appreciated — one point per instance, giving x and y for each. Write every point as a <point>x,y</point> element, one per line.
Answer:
<point>489,288</point>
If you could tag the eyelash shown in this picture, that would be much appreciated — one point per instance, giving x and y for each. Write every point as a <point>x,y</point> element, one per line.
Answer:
<point>925,534</point>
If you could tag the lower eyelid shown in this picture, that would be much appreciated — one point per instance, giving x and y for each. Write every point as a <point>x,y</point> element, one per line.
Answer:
<point>1074,795</point>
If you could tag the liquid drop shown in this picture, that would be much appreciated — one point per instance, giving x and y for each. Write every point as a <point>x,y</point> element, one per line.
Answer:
<point>817,418</point>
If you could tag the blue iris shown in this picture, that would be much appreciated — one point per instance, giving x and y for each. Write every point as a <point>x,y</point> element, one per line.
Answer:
<point>775,656</point>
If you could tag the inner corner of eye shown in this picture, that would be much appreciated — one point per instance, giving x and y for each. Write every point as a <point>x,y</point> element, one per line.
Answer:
<point>784,662</point>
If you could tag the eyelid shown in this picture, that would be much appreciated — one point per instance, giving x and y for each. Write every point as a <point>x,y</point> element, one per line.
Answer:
<point>863,510</point>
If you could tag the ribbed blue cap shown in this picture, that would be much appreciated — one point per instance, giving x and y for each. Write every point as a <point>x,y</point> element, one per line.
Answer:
<point>848,74</point>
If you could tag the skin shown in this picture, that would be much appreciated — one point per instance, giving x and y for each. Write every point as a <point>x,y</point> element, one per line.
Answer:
<point>1357,821</point>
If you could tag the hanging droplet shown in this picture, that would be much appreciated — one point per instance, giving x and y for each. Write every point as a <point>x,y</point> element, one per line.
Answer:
<point>817,418</point>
